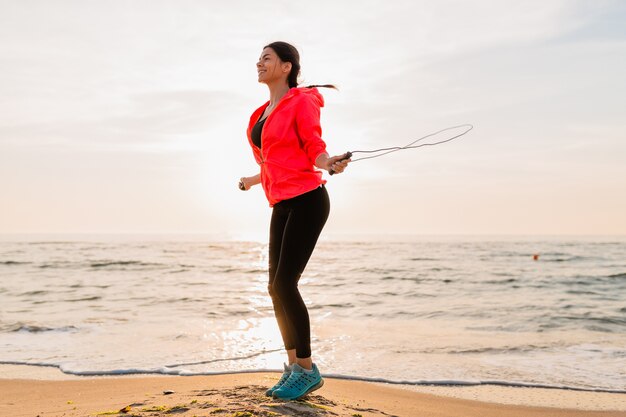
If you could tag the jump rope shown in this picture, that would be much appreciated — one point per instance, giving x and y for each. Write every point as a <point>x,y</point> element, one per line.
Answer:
<point>384,151</point>
<point>412,145</point>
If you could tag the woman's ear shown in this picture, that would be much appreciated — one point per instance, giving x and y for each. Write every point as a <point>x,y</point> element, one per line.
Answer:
<point>287,67</point>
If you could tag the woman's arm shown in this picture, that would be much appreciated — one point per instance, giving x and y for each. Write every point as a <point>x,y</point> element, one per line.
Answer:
<point>248,182</point>
<point>336,163</point>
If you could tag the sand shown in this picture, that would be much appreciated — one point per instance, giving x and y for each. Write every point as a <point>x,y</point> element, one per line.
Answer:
<point>242,395</point>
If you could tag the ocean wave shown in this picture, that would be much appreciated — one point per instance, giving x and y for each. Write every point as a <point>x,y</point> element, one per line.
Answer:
<point>620,275</point>
<point>56,265</point>
<point>93,298</point>
<point>35,328</point>
<point>574,258</point>
<point>332,305</point>
<point>609,320</point>
<point>35,292</point>
<point>168,370</point>
<point>89,286</point>
<point>500,281</point>
<point>494,350</point>
<point>232,358</point>
<point>577,281</point>
<point>378,271</point>
<point>14,263</point>
<point>580,292</point>
<point>616,321</point>
<point>104,264</point>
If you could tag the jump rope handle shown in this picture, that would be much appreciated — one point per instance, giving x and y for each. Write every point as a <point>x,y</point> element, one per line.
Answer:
<point>348,155</point>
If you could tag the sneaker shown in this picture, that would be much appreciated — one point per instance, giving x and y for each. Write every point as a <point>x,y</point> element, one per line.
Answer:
<point>281,381</point>
<point>299,383</point>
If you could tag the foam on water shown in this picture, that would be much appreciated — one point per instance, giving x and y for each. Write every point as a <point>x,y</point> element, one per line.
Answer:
<point>435,383</point>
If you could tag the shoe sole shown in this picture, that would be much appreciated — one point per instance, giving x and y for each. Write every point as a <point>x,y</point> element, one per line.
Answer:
<point>310,390</point>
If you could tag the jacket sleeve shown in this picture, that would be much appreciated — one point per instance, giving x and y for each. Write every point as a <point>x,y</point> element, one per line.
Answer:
<point>309,128</point>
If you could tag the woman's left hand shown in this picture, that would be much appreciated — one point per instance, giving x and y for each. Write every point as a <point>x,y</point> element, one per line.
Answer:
<point>338,163</point>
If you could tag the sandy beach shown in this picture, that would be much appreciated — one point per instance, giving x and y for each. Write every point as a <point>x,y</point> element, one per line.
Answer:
<point>242,395</point>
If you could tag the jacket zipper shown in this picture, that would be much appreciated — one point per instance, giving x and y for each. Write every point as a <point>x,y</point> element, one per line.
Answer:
<point>266,120</point>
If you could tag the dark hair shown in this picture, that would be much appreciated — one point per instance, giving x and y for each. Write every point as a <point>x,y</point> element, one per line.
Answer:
<point>288,53</point>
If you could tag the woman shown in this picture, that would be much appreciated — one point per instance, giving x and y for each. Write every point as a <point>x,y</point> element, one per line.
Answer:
<point>285,136</point>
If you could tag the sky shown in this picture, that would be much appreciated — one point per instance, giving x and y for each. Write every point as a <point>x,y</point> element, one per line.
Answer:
<point>130,116</point>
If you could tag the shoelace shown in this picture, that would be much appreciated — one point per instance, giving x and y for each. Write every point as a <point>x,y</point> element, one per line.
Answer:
<point>299,380</point>
<point>283,378</point>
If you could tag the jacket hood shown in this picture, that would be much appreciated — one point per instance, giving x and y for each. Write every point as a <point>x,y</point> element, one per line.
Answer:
<point>311,92</point>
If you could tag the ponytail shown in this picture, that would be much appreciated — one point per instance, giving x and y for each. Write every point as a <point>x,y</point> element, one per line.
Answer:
<point>288,53</point>
<point>322,85</point>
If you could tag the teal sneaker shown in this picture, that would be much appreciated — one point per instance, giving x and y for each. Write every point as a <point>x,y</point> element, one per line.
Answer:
<point>281,381</point>
<point>299,383</point>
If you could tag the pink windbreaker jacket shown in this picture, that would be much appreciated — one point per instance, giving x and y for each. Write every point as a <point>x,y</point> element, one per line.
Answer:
<point>290,143</point>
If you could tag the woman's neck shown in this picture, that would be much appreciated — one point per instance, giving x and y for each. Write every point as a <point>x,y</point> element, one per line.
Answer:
<point>277,91</point>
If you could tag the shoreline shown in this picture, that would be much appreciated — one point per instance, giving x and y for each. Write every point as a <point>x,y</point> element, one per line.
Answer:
<point>49,391</point>
<point>41,371</point>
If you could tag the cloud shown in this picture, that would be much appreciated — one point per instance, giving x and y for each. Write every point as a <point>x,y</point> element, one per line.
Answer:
<point>145,93</point>
<point>149,120</point>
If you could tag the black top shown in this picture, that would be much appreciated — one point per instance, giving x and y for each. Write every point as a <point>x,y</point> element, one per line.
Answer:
<point>256,131</point>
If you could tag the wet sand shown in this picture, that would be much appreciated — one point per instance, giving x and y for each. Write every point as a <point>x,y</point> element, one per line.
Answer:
<point>242,395</point>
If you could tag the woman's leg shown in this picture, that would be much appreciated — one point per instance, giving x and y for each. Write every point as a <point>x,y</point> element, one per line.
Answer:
<point>307,215</point>
<point>277,229</point>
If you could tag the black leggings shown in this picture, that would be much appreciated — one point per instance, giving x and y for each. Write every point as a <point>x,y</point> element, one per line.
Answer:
<point>295,226</point>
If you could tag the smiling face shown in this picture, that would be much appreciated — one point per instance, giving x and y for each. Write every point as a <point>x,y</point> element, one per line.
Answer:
<point>271,69</point>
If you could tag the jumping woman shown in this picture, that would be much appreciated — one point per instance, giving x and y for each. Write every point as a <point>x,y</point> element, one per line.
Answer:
<point>285,137</point>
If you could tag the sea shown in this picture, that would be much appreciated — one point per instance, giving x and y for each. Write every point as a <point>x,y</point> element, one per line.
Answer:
<point>419,310</point>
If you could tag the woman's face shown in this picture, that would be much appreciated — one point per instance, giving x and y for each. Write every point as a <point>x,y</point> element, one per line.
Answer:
<point>270,68</point>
